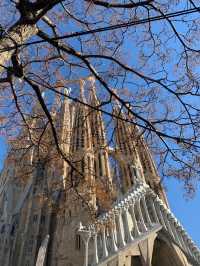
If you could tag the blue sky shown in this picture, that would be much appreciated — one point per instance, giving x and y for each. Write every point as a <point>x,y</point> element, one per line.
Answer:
<point>186,210</point>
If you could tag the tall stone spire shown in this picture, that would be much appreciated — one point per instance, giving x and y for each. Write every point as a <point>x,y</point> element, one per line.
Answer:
<point>149,169</point>
<point>126,152</point>
<point>98,136</point>
<point>81,149</point>
<point>82,91</point>
<point>81,139</point>
<point>136,228</point>
<point>134,155</point>
<point>48,182</point>
<point>63,124</point>
<point>100,145</point>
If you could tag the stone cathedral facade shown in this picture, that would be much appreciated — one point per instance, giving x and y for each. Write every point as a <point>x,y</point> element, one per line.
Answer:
<point>106,208</point>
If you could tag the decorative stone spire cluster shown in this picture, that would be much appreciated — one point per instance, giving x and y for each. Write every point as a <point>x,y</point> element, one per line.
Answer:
<point>30,215</point>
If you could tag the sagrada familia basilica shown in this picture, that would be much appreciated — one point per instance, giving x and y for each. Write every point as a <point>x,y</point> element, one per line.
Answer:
<point>95,204</point>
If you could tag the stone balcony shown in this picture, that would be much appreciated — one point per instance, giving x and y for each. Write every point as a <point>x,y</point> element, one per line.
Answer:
<point>134,217</point>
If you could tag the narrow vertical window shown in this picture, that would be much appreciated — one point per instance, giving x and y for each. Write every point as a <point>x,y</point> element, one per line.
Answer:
<point>78,242</point>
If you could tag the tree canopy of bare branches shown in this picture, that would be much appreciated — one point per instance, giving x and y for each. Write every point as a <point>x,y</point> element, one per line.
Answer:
<point>142,54</point>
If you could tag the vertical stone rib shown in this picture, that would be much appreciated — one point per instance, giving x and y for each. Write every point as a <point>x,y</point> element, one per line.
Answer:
<point>141,218</point>
<point>149,223</point>
<point>127,230</point>
<point>104,244</point>
<point>113,244</point>
<point>120,229</point>
<point>135,225</point>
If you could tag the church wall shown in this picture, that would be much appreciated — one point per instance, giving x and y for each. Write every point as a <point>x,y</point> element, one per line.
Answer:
<point>52,208</point>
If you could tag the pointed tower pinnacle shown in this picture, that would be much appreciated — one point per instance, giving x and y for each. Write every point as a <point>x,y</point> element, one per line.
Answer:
<point>91,79</point>
<point>67,91</point>
<point>126,152</point>
<point>136,159</point>
<point>81,150</point>
<point>56,104</point>
<point>82,95</point>
<point>103,177</point>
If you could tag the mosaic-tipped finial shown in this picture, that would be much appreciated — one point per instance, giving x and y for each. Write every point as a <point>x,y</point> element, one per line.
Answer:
<point>82,83</point>
<point>91,79</point>
<point>67,91</point>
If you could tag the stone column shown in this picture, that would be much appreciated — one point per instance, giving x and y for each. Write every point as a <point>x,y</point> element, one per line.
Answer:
<point>119,227</point>
<point>168,224</point>
<point>155,216</point>
<point>146,212</point>
<point>126,225</point>
<point>132,213</point>
<point>159,213</point>
<point>174,230</point>
<point>95,256</point>
<point>104,246</point>
<point>85,235</point>
<point>185,239</point>
<point>196,252</point>
<point>144,228</point>
<point>191,247</point>
<point>179,229</point>
<point>113,243</point>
